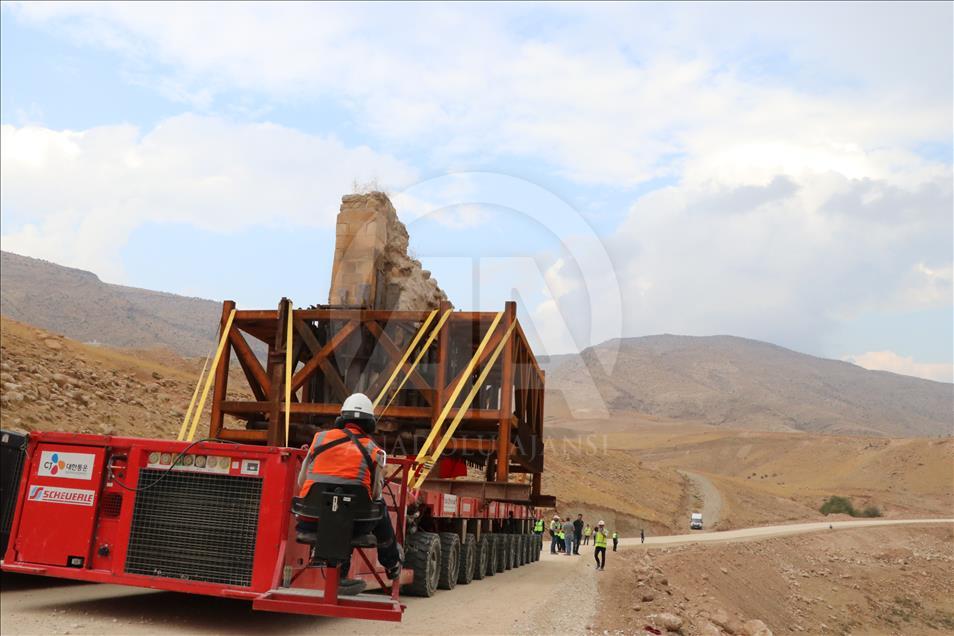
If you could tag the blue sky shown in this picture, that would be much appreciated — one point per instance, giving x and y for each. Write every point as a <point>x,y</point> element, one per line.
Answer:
<point>780,172</point>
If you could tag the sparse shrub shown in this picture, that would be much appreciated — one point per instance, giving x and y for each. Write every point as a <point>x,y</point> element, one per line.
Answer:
<point>838,505</point>
<point>842,505</point>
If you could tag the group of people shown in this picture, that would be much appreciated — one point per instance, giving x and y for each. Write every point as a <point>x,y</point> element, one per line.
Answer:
<point>566,537</point>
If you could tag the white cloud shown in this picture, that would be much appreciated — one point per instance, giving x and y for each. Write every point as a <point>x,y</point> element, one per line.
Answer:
<point>73,197</point>
<point>891,361</point>
<point>617,95</point>
<point>782,262</point>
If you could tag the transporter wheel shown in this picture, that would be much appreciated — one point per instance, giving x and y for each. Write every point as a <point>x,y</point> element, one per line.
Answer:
<point>538,547</point>
<point>480,562</point>
<point>520,554</point>
<point>424,557</point>
<point>450,560</point>
<point>468,560</point>
<point>510,550</point>
<point>493,551</point>
<point>528,543</point>
<point>503,546</point>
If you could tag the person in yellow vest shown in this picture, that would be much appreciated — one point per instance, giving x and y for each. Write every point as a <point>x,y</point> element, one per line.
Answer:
<point>538,526</point>
<point>561,540</point>
<point>615,540</point>
<point>587,531</point>
<point>599,541</point>
<point>554,527</point>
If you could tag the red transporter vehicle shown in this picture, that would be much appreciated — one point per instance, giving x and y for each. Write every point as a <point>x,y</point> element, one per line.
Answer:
<point>217,516</point>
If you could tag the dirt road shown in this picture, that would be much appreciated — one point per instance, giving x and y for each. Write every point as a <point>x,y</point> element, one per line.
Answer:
<point>531,599</point>
<point>764,532</point>
<point>513,602</point>
<point>710,496</point>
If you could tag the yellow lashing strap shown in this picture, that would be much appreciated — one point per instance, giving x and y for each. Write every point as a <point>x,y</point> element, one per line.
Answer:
<point>422,454</point>
<point>474,390</point>
<point>288,372</point>
<point>208,381</point>
<point>407,354</point>
<point>420,354</point>
<point>195,395</point>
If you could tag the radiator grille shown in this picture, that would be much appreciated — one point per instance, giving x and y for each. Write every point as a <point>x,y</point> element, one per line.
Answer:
<point>11,467</point>
<point>195,526</point>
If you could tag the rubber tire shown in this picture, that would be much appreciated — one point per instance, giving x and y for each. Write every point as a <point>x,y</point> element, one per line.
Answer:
<point>423,556</point>
<point>528,548</point>
<point>468,560</point>
<point>492,554</point>
<point>480,562</point>
<point>450,560</point>
<point>502,549</point>
<point>518,553</point>
<point>538,547</point>
<point>510,551</point>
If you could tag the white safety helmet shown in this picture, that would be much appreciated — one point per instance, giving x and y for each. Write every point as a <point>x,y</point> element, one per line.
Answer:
<point>601,523</point>
<point>358,409</point>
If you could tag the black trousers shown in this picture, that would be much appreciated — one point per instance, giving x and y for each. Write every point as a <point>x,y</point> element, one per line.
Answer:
<point>600,555</point>
<point>615,543</point>
<point>388,554</point>
<point>576,543</point>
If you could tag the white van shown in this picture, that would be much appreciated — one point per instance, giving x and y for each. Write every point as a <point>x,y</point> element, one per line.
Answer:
<point>695,521</point>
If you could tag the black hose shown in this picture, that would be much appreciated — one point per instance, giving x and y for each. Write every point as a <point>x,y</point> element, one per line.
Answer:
<point>182,454</point>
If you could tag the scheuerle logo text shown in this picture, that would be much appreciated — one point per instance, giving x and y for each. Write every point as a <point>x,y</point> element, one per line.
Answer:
<point>53,494</point>
<point>66,465</point>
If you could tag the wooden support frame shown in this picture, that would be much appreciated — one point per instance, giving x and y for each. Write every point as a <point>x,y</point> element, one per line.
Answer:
<point>338,351</point>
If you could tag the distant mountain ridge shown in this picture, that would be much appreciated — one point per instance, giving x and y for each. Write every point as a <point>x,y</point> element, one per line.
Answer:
<point>77,304</point>
<point>726,380</point>
<point>722,380</point>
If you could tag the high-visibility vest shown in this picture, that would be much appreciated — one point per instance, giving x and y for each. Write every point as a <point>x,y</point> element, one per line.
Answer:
<point>587,531</point>
<point>538,526</point>
<point>560,534</point>
<point>615,536</point>
<point>335,458</point>
<point>599,538</point>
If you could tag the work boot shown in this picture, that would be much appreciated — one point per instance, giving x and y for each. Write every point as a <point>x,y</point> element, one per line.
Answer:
<point>351,587</point>
<point>394,572</point>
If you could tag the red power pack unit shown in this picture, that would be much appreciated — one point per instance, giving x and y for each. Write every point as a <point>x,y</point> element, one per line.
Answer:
<point>218,522</point>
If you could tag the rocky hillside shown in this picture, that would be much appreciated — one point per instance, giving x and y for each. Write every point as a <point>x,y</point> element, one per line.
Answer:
<point>52,383</point>
<point>78,304</point>
<point>743,383</point>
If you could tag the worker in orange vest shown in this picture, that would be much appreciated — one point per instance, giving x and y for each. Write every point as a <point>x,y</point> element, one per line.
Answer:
<point>346,455</point>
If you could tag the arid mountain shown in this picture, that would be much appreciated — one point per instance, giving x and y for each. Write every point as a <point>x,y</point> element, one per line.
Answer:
<point>741,383</point>
<point>77,304</point>
<point>52,383</point>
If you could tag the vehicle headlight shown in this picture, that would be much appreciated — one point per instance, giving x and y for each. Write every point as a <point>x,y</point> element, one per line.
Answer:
<point>187,460</point>
<point>166,458</point>
<point>200,461</point>
<point>154,457</point>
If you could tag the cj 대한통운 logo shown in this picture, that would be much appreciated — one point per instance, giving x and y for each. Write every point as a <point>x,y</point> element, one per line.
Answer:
<point>66,465</point>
